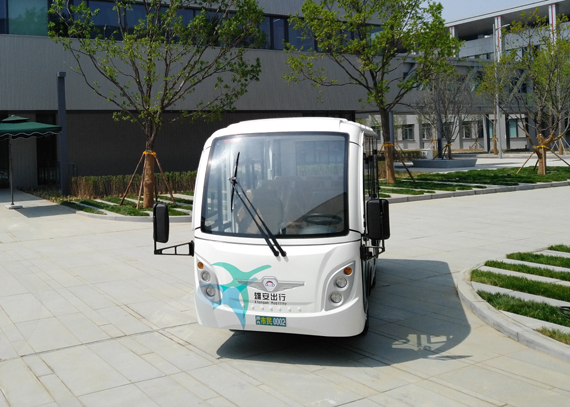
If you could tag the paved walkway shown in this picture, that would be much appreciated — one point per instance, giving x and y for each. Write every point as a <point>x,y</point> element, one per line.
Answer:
<point>89,317</point>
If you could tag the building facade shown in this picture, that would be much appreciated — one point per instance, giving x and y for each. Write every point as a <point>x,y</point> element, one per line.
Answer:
<point>97,144</point>
<point>483,42</point>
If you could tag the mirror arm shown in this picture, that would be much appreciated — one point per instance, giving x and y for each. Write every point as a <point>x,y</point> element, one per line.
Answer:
<point>175,247</point>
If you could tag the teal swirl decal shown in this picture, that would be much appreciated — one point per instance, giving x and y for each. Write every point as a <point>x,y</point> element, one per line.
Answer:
<point>234,291</point>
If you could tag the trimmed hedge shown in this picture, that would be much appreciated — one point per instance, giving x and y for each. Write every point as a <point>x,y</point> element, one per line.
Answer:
<point>115,185</point>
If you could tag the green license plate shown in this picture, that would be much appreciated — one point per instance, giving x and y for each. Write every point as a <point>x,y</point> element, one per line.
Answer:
<point>271,321</point>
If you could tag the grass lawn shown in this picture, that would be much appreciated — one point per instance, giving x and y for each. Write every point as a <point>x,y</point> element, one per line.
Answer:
<point>438,186</point>
<point>501,176</point>
<point>405,191</point>
<point>556,334</point>
<point>171,208</point>
<point>124,210</point>
<point>523,285</point>
<point>532,309</point>
<point>523,268</point>
<point>81,208</point>
<point>560,248</point>
<point>541,259</point>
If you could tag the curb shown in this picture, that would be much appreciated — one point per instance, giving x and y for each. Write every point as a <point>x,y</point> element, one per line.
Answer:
<point>501,322</point>
<point>402,199</point>
<point>173,219</point>
<point>490,190</point>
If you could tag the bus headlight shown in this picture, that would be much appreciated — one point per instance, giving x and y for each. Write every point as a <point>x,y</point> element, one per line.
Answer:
<point>206,276</point>
<point>341,282</point>
<point>336,297</point>
<point>340,286</point>
<point>210,291</point>
<point>208,283</point>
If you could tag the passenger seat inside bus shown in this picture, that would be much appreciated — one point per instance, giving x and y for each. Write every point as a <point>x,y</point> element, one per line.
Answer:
<point>268,206</point>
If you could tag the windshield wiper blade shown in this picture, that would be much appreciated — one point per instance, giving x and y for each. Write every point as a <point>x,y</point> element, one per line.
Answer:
<point>263,228</point>
<point>254,216</point>
<point>233,181</point>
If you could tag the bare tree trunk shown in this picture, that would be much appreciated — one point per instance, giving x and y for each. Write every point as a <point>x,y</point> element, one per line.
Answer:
<point>148,181</point>
<point>388,147</point>
<point>495,127</point>
<point>542,161</point>
<point>561,140</point>
<point>148,176</point>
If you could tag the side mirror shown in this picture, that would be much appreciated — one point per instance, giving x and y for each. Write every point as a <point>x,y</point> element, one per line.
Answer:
<point>161,222</point>
<point>378,219</point>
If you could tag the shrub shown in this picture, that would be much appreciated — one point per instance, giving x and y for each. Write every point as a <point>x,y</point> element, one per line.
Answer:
<point>116,185</point>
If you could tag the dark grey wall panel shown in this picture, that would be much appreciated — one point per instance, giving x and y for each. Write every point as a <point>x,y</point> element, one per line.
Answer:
<point>29,68</point>
<point>98,145</point>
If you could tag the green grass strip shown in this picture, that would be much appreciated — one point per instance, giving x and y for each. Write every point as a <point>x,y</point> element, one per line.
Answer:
<point>556,334</point>
<point>171,208</point>
<point>117,201</point>
<point>406,191</point>
<point>541,259</point>
<point>523,268</point>
<point>501,176</point>
<point>521,284</point>
<point>430,185</point>
<point>560,248</point>
<point>173,212</point>
<point>532,309</point>
<point>121,210</point>
<point>81,208</point>
<point>178,200</point>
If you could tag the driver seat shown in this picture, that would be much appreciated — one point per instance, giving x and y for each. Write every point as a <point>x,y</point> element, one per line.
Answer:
<point>269,207</point>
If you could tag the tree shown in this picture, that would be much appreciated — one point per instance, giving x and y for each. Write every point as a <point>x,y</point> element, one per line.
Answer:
<point>533,79</point>
<point>158,54</point>
<point>446,103</point>
<point>373,42</point>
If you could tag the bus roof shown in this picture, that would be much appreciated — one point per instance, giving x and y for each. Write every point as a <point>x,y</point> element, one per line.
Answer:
<point>294,124</point>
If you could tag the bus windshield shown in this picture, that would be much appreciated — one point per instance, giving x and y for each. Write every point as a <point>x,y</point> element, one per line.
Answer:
<point>296,183</point>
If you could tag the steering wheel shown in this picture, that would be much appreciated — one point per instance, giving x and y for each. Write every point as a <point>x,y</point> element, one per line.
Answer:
<point>322,219</point>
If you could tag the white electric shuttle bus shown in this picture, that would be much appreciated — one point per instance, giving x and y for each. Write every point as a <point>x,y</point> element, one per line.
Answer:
<point>287,227</point>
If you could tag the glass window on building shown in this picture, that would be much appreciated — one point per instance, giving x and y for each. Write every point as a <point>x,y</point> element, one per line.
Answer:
<point>134,16</point>
<point>299,40</point>
<point>427,131</point>
<point>107,21</point>
<point>467,130</point>
<point>187,15</point>
<point>265,28</point>
<point>408,132</point>
<point>28,17</point>
<point>3,17</point>
<point>278,26</point>
<point>513,128</point>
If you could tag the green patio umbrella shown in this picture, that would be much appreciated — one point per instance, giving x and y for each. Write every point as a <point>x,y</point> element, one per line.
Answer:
<point>14,127</point>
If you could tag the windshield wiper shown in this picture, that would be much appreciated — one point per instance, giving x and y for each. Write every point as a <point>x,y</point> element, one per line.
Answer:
<point>233,180</point>
<point>261,226</point>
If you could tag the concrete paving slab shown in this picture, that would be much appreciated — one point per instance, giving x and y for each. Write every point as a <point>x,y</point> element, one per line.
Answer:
<point>138,343</point>
<point>502,387</point>
<point>128,395</point>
